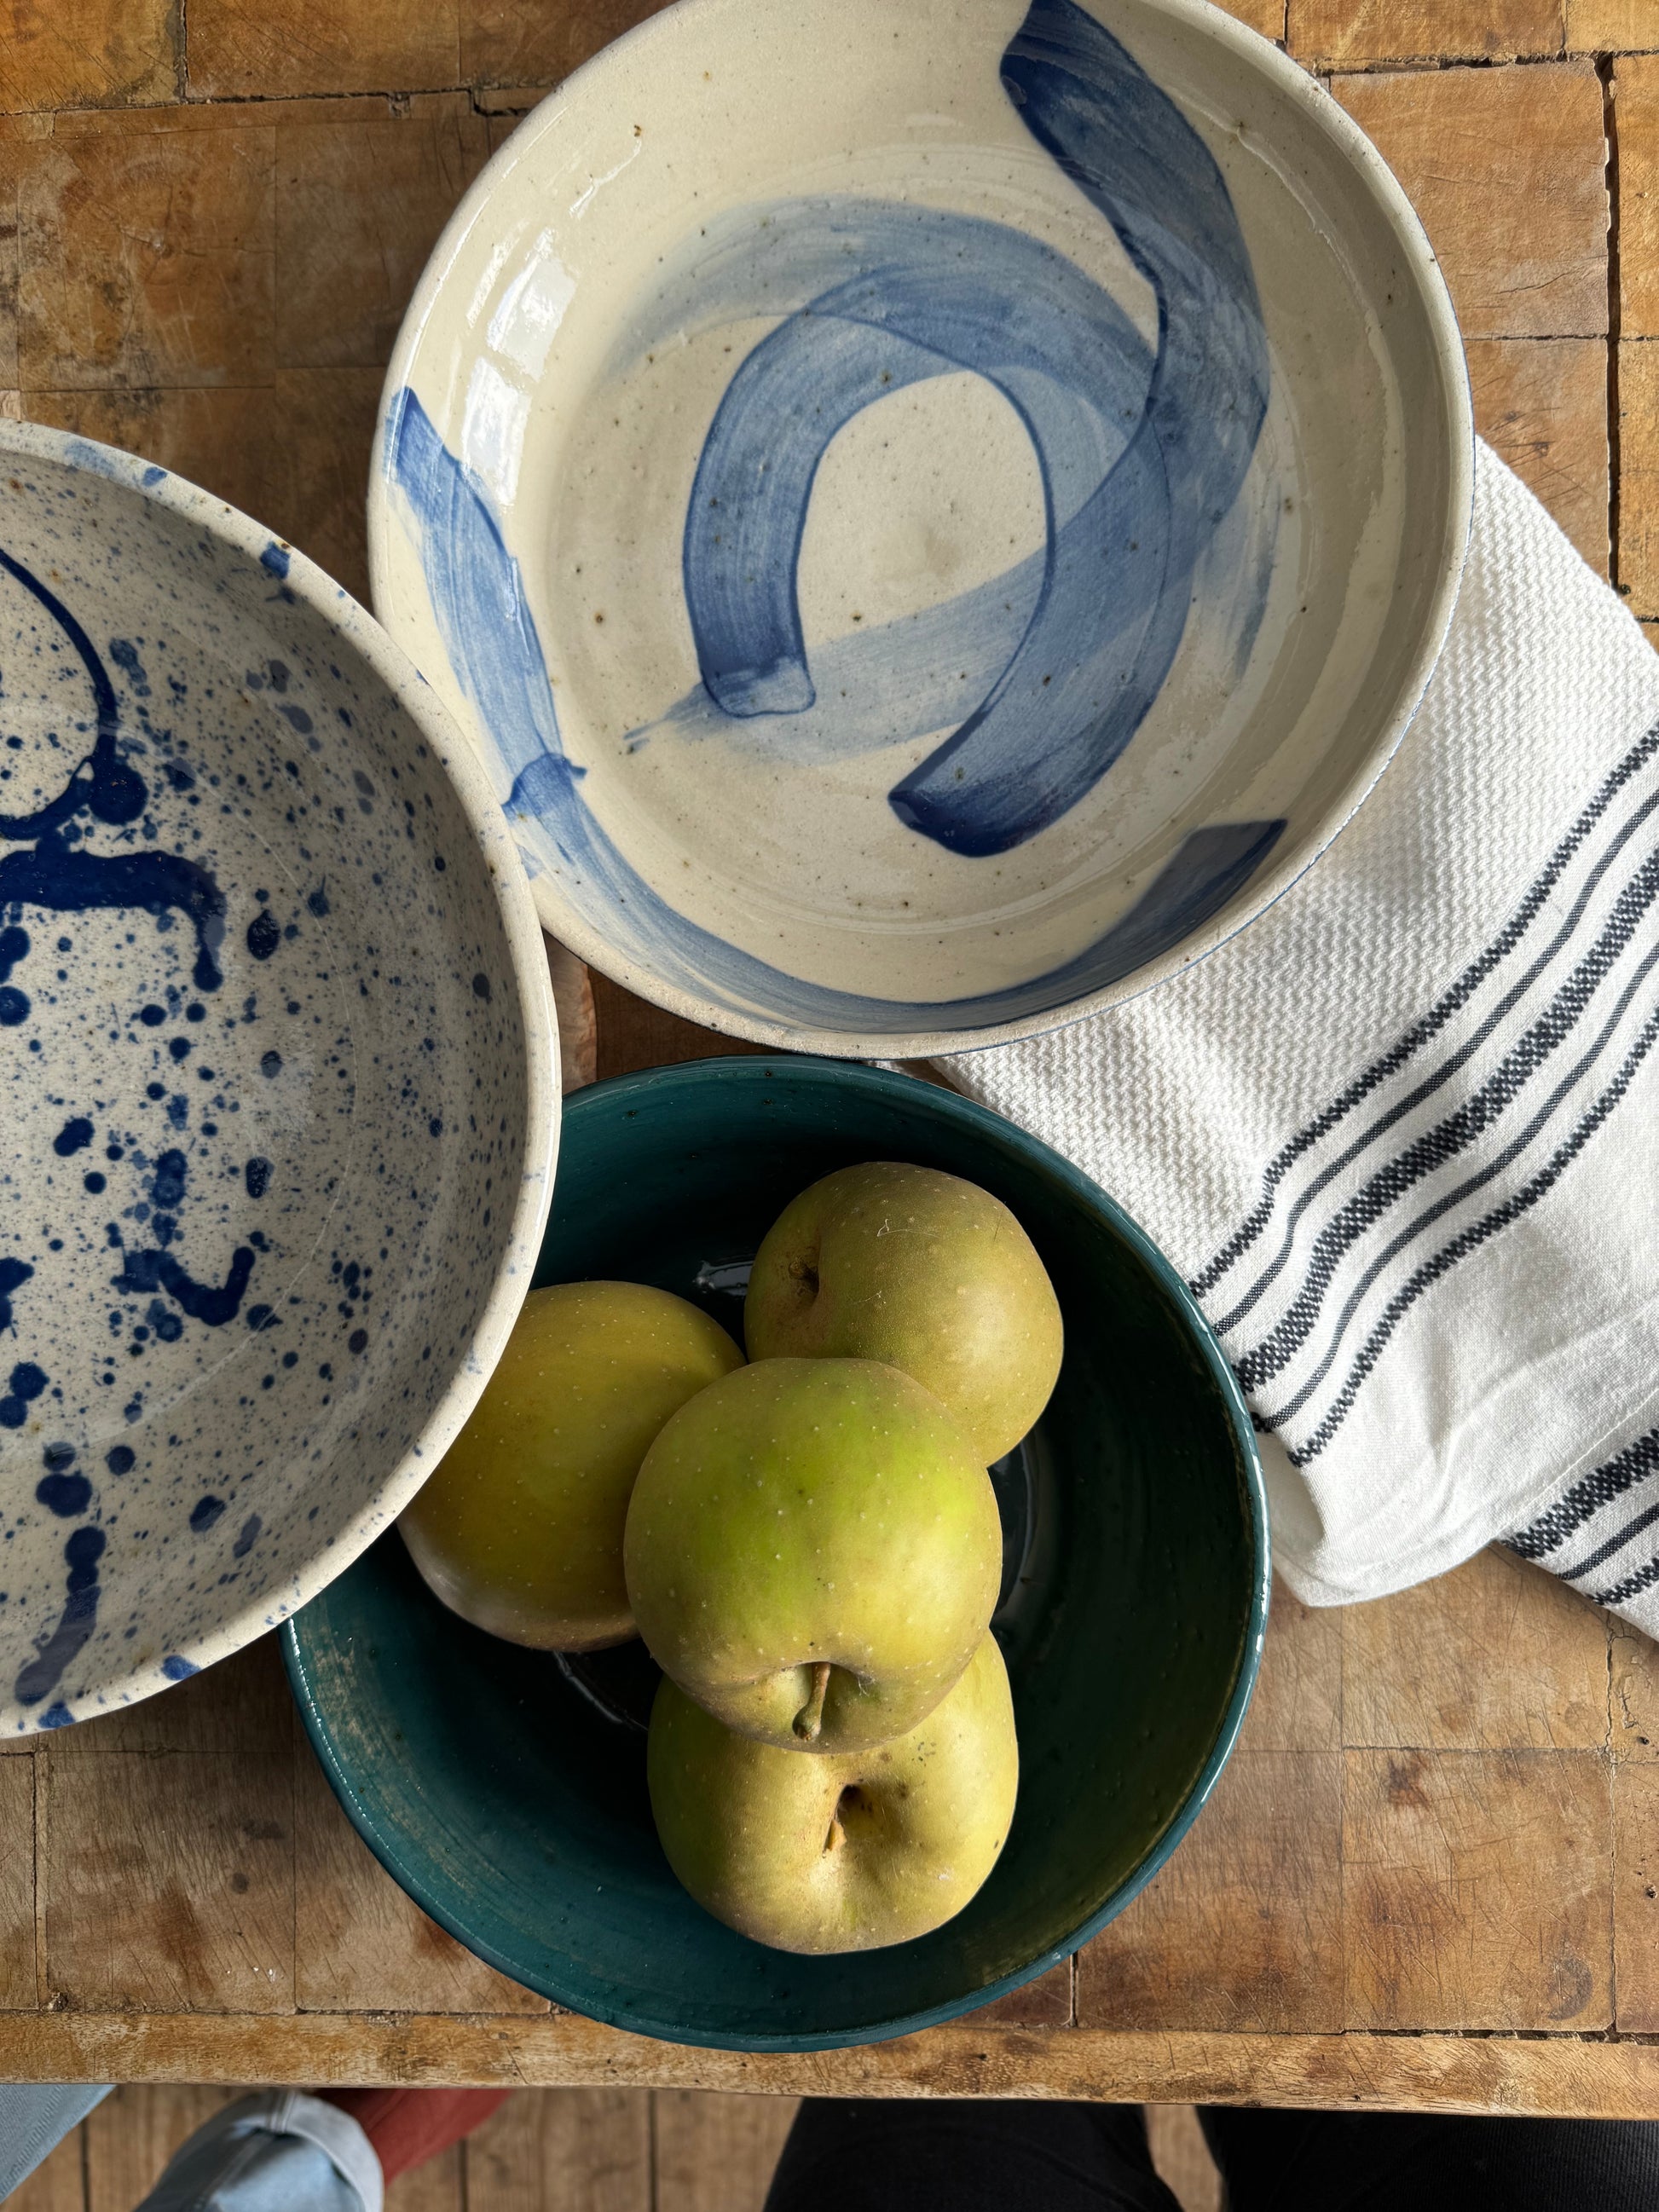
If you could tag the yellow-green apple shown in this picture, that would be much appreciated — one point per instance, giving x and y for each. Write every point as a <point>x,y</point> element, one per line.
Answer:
<point>813,1551</point>
<point>923,1271</point>
<point>843,1853</point>
<point>519,1529</point>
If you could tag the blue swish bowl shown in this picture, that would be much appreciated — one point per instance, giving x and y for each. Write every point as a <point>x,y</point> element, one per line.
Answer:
<point>278,1079</point>
<point>932,517</point>
<point>505,1788</point>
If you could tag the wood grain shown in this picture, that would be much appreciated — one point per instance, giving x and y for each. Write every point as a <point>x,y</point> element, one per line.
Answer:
<point>167,1883</point>
<point>1346,34</point>
<point>1477,1889</point>
<point>1266,16</point>
<point>1541,403</point>
<point>572,1004</point>
<point>367,1945</point>
<point>1612,26</point>
<point>539,41</point>
<point>1635,108</point>
<point>716,2154</point>
<point>1632,1692</point>
<point>563,2150</point>
<point>275,48</point>
<point>1243,1929</point>
<point>359,205</point>
<point>633,1033</point>
<point>1559,2074</point>
<point>1636,1895</point>
<point>1495,1656</point>
<point>1638,466</point>
<point>86,53</point>
<point>1297,1703</point>
<point>146,259</point>
<point>18,1989</point>
<point>1507,168</point>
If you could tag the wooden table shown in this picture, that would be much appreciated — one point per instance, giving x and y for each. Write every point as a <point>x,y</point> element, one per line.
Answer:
<point>1431,1872</point>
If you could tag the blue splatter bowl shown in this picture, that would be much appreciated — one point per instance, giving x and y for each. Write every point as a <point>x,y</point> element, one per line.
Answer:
<point>278,1070</point>
<point>505,1788</point>
<point>932,517</point>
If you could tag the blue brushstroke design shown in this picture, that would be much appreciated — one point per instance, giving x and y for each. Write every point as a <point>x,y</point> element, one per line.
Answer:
<point>1061,351</point>
<point>489,639</point>
<point>1117,571</point>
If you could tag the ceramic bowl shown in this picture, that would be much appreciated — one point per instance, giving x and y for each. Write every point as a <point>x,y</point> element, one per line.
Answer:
<point>932,516</point>
<point>278,1073</point>
<point>505,1790</point>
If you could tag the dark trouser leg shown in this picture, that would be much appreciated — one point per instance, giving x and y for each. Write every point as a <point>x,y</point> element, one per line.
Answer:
<point>1277,2161</point>
<point>846,2154</point>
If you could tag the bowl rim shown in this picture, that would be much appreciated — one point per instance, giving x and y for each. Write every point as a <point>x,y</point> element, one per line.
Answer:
<point>1455,425</point>
<point>380,1835</point>
<point>455,759</point>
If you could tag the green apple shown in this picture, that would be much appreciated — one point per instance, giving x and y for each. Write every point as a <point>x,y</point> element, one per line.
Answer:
<point>813,1551</point>
<point>519,1528</point>
<point>844,1853</point>
<point>924,1271</point>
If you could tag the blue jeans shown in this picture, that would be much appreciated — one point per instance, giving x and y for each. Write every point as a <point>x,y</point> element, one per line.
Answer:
<point>278,2150</point>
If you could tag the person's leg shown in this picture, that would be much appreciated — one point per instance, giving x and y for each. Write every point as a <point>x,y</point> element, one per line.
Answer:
<point>1280,2161</point>
<point>285,2150</point>
<point>845,2155</point>
<point>34,2118</point>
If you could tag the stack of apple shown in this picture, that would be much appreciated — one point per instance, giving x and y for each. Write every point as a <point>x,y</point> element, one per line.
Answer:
<point>809,1544</point>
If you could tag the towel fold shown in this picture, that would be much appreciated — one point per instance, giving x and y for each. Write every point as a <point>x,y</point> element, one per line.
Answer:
<point>1398,1133</point>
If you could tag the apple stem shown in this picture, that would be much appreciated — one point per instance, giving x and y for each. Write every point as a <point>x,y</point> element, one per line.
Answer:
<point>810,1719</point>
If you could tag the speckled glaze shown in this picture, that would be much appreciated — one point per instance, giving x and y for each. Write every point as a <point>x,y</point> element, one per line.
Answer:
<point>933,517</point>
<point>279,1077</point>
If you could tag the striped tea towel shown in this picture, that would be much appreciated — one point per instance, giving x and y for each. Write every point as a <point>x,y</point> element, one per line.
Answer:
<point>1400,1134</point>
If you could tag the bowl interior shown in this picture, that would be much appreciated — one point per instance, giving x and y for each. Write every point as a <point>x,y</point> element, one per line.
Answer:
<point>498,1789</point>
<point>270,1097</point>
<point>931,520</point>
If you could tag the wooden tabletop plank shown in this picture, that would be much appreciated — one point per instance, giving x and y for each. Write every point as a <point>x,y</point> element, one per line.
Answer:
<point>1549,2074</point>
<point>1350,35</point>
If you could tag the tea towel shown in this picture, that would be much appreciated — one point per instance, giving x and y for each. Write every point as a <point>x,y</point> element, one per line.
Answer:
<point>1401,1133</point>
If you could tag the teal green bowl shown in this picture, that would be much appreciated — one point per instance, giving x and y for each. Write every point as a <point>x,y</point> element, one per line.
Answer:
<point>505,1788</point>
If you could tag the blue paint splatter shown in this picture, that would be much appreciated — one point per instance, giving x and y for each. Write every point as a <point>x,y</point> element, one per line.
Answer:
<point>257,1176</point>
<point>27,1383</point>
<point>214,1303</point>
<point>14,1274</point>
<point>42,1673</point>
<point>275,559</point>
<point>75,1135</point>
<point>66,1495</point>
<point>262,935</point>
<point>120,1458</point>
<point>178,1669</point>
<point>246,1536</point>
<point>205,1511</point>
<point>158,1269</point>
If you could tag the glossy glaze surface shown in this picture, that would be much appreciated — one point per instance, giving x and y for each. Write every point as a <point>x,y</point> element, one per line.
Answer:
<point>507,1791</point>
<point>934,522</point>
<point>277,1072</point>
